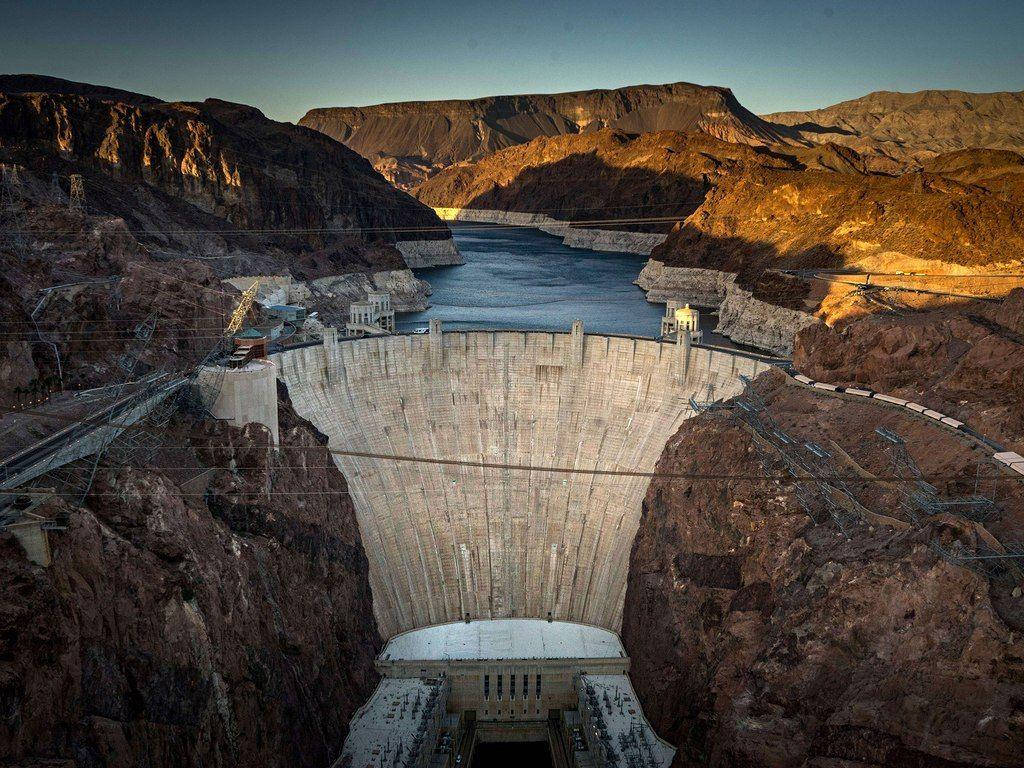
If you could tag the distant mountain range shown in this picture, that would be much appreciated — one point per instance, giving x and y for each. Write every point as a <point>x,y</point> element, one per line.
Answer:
<point>411,141</point>
<point>912,127</point>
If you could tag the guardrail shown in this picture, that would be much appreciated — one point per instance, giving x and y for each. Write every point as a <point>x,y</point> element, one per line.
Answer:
<point>1010,459</point>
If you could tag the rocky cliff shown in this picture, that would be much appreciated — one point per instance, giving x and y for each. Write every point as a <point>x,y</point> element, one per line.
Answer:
<point>210,177</point>
<point>411,141</point>
<point>176,196</point>
<point>968,359</point>
<point>605,175</point>
<point>896,129</point>
<point>765,219</point>
<point>207,606</point>
<point>761,636</point>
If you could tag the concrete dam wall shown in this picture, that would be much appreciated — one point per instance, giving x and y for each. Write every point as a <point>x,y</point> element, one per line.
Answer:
<point>444,541</point>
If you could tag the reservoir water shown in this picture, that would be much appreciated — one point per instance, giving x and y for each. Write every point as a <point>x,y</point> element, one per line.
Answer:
<point>524,278</point>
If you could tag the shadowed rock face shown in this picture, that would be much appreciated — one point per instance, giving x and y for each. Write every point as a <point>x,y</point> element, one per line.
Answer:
<point>410,141</point>
<point>893,129</point>
<point>177,628</point>
<point>607,174</point>
<point>762,638</point>
<point>223,166</point>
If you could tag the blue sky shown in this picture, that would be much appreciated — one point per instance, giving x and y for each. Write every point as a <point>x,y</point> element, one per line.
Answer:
<point>287,57</point>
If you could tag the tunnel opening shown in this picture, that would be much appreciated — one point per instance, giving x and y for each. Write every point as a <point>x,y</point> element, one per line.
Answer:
<point>512,755</point>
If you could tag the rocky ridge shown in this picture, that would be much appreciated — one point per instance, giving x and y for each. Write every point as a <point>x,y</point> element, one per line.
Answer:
<point>211,177</point>
<point>647,181</point>
<point>894,130</point>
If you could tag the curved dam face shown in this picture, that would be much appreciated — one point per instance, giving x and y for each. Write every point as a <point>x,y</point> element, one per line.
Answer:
<point>445,541</point>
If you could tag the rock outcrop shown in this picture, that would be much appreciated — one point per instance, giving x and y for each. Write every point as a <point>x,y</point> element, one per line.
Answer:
<point>419,254</point>
<point>764,220</point>
<point>967,361</point>
<point>205,607</point>
<point>210,177</point>
<point>408,294</point>
<point>647,181</point>
<point>761,637</point>
<point>410,141</point>
<point>700,287</point>
<point>895,129</point>
<point>755,323</point>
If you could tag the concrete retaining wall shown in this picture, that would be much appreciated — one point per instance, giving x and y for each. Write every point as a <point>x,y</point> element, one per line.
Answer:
<point>444,541</point>
<point>247,395</point>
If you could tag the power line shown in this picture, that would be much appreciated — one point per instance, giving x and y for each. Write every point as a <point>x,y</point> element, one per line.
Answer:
<point>463,225</point>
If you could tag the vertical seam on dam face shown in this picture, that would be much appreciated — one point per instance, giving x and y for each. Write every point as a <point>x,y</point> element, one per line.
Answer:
<point>444,541</point>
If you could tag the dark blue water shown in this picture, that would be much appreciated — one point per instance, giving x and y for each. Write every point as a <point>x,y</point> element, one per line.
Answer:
<point>524,278</point>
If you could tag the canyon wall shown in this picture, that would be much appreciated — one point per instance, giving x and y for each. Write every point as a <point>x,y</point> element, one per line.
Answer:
<point>446,541</point>
<point>197,176</point>
<point>408,142</point>
<point>208,605</point>
<point>762,635</point>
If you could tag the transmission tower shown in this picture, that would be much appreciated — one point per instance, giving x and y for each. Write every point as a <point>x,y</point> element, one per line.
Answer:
<point>76,200</point>
<point>11,221</point>
<point>55,191</point>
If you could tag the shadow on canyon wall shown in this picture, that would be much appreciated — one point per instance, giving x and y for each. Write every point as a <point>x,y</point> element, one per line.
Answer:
<point>582,187</point>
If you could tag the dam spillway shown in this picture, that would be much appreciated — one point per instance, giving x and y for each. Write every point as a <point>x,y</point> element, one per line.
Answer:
<point>445,541</point>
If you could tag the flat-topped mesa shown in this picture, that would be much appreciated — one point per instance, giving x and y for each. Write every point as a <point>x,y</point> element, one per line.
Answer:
<point>448,536</point>
<point>411,141</point>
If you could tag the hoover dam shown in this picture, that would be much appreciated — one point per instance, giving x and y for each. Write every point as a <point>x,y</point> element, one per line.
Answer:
<point>512,506</point>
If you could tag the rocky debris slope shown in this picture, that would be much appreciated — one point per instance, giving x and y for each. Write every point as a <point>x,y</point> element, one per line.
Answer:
<point>894,129</point>
<point>410,141</point>
<point>760,637</point>
<point>211,177</point>
<point>180,626</point>
<point>1000,172</point>
<point>604,175</point>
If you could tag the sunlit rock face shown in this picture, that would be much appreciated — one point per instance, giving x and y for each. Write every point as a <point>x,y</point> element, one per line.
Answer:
<point>446,540</point>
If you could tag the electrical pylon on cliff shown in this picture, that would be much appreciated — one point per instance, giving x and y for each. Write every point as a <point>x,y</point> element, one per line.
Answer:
<point>12,222</point>
<point>55,191</point>
<point>76,200</point>
<point>238,316</point>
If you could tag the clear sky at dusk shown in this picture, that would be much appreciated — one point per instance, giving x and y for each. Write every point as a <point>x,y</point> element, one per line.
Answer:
<point>286,57</point>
